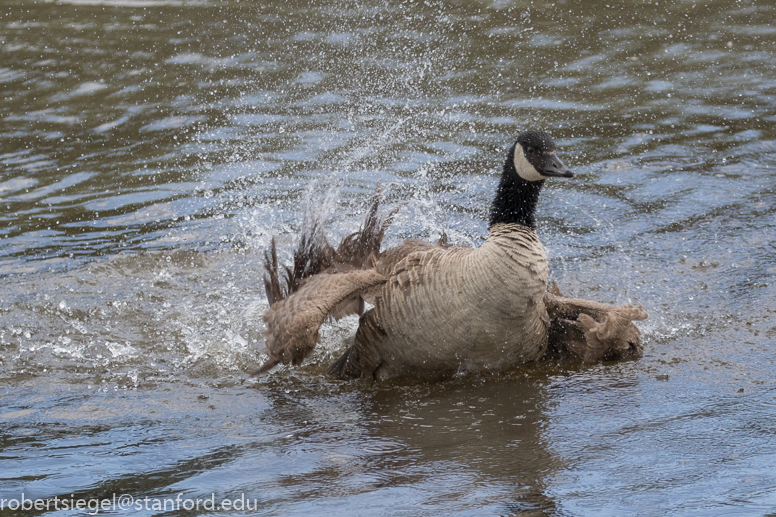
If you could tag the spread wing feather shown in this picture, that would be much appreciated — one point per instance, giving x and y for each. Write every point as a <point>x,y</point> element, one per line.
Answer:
<point>314,254</point>
<point>293,322</point>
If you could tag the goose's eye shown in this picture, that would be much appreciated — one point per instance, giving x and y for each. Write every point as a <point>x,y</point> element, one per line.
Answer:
<point>531,151</point>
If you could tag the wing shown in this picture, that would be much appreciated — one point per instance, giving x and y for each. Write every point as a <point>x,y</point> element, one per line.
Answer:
<point>293,322</point>
<point>592,331</point>
<point>314,255</point>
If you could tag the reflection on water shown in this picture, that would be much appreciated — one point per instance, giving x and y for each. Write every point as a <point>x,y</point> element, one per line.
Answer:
<point>150,148</point>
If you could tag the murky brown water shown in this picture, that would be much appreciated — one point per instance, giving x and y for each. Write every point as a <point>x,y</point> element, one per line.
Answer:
<point>149,149</point>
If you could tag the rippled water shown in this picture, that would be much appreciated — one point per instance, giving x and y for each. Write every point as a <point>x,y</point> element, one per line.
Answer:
<point>149,149</point>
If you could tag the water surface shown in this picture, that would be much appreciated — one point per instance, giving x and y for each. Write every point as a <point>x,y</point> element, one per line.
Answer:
<point>149,149</point>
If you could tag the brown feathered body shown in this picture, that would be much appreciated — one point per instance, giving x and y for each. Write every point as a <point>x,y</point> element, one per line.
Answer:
<point>444,311</point>
<point>438,310</point>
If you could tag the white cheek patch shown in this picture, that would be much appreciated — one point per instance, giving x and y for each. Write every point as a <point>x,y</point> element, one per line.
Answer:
<point>523,167</point>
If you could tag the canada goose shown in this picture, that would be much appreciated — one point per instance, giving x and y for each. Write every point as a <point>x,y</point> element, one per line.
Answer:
<point>442,310</point>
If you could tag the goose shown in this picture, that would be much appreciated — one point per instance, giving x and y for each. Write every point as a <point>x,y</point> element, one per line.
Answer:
<point>441,310</point>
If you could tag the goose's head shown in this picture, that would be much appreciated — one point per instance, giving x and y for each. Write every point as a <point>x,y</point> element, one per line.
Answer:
<point>530,161</point>
<point>534,158</point>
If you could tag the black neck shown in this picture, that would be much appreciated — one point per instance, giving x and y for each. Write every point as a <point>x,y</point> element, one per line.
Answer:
<point>516,198</point>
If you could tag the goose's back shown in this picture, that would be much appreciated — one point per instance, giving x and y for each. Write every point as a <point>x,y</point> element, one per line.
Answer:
<point>458,309</point>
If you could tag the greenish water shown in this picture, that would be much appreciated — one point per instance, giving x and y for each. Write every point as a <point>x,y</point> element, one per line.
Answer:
<point>149,149</point>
